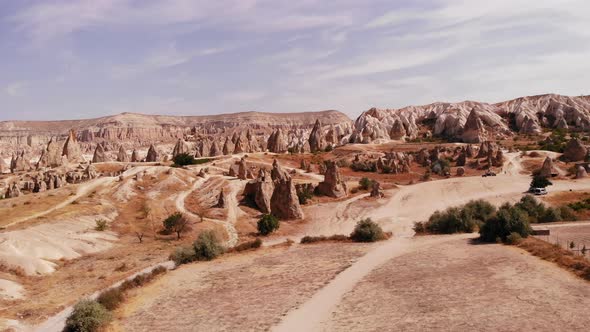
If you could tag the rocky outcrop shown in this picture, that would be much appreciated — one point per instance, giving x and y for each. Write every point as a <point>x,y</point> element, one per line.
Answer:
<point>240,147</point>
<point>398,131</point>
<point>71,149</point>
<point>547,169</point>
<point>122,155</point>
<point>180,148</point>
<point>4,168</point>
<point>227,147</point>
<point>152,155</point>
<point>99,155</point>
<point>276,142</point>
<point>284,203</point>
<point>51,156</point>
<point>316,138</point>
<point>20,163</point>
<point>220,200</point>
<point>242,169</point>
<point>333,185</point>
<point>215,150</point>
<point>581,172</point>
<point>474,130</point>
<point>135,157</point>
<point>260,190</point>
<point>575,150</point>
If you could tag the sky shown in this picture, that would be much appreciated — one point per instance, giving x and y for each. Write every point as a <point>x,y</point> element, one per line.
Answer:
<point>84,59</point>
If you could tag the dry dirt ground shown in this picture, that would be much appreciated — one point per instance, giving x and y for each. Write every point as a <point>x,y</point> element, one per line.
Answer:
<point>458,286</point>
<point>241,292</point>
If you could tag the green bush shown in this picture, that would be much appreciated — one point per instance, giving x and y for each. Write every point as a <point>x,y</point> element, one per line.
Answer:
<point>184,159</point>
<point>207,246</point>
<point>365,183</point>
<point>550,215</point>
<point>367,230</point>
<point>111,298</point>
<point>175,223</point>
<point>304,196</point>
<point>532,207</point>
<point>183,255</point>
<point>507,220</point>
<point>268,224</point>
<point>479,210</point>
<point>88,316</point>
<point>101,225</point>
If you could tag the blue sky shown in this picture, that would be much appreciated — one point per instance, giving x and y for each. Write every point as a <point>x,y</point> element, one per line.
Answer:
<point>80,59</point>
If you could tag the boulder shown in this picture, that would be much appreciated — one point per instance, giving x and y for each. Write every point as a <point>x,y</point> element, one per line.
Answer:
<point>333,185</point>
<point>242,169</point>
<point>575,150</point>
<point>260,191</point>
<point>547,169</point>
<point>284,203</point>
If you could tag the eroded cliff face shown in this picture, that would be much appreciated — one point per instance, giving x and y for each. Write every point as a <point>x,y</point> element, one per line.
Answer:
<point>474,122</point>
<point>138,130</point>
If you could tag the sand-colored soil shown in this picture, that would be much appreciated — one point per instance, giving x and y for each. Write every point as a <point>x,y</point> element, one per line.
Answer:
<point>457,286</point>
<point>242,292</point>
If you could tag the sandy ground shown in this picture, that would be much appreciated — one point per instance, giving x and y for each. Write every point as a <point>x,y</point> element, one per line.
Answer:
<point>242,292</point>
<point>457,286</point>
<point>565,233</point>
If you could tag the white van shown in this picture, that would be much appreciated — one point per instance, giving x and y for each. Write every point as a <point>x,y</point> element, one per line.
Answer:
<point>539,191</point>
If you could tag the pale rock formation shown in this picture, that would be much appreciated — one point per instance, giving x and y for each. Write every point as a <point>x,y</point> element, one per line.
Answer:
<point>242,169</point>
<point>581,172</point>
<point>122,155</point>
<point>260,191</point>
<point>135,157</point>
<point>276,142</point>
<point>215,150</point>
<point>316,138</point>
<point>180,148</point>
<point>333,185</point>
<point>547,169</point>
<point>575,150</point>
<point>99,155</point>
<point>71,149</point>
<point>227,149</point>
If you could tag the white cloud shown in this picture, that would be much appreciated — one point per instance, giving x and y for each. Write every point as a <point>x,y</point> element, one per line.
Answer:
<point>15,89</point>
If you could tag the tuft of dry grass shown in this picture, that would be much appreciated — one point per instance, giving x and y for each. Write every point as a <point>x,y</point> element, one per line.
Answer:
<point>554,253</point>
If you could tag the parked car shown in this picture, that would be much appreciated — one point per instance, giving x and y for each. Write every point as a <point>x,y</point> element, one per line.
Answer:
<point>538,191</point>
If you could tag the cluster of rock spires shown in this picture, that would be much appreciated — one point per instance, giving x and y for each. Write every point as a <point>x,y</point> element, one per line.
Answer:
<point>475,122</point>
<point>274,193</point>
<point>49,180</point>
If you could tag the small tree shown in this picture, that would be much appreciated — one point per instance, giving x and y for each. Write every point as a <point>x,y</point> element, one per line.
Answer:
<point>184,159</point>
<point>88,316</point>
<point>572,245</point>
<point>367,230</point>
<point>268,224</point>
<point>101,225</point>
<point>176,223</point>
<point>540,182</point>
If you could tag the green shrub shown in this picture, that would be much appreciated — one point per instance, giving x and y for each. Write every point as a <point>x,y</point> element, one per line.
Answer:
<point>88,316</point>
<point>304,196</point>
<point>207,246</point>
<point>111,298</point>
<point>183,255</point>
<point>248,245</point>
<point>513,239</point>
<point>550,215</point>
<point>365,183</point>
<point>184,159</point>
<point>532,207</point>
<point>507,220</point>
<point>367,230</point>
<point>175,223</point>
<point>101,225</point>
<point>268,224</point>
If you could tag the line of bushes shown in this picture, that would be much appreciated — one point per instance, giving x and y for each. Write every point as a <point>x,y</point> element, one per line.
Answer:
<point>93,315</point>
<point>366,230</point>
<point>493,224</point>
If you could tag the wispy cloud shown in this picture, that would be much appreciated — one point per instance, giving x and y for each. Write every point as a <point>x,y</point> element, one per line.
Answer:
<point>15,89</point>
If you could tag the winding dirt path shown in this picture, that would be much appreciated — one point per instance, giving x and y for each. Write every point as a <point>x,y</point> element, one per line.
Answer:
<point>404,207</point>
